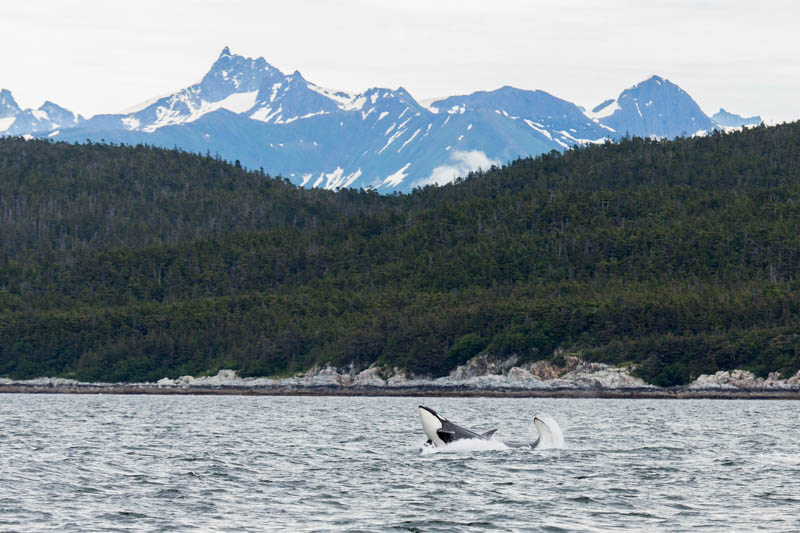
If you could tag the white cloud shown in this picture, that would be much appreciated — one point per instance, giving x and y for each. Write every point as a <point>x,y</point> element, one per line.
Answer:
<point>460,164</point>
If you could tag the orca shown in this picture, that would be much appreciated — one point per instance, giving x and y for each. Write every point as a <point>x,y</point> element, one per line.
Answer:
<point>441,431</point>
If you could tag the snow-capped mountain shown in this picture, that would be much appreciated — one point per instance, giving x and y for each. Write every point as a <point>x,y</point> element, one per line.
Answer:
<point>248,110</point>
<point>250,87</point>
<point>655,107</point>
<point>49,117</point>
<point>381,138</point>
<point>8,106</point>
<point>558,120</point>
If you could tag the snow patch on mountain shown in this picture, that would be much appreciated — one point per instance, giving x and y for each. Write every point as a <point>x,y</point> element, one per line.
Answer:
<point>265,114</point>
<point>5,123</point>
<point>397,134</point>
<point>409,140</point>
<point>538,127</point>
<point>395,179</point>
<point>131,123</point>
<point>342,98</point>
<point>334,180</point>
<point>237,103</point>
<point>185,107</point>
<point>605,109</point>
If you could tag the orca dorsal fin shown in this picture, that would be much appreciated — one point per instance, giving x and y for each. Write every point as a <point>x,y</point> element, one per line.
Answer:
<point>488,434</point>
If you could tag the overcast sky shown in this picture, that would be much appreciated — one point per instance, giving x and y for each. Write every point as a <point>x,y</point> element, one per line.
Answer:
<point>97,56</point>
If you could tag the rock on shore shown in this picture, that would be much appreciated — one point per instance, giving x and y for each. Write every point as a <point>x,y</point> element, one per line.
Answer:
<point>481,373</point>
<point>744,380</point>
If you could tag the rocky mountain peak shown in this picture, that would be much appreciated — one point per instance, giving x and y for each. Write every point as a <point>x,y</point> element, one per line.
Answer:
<point>655,107</point>
<point>8,106</point>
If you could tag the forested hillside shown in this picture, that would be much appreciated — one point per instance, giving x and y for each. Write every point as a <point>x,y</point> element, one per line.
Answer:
<point>134,263</point>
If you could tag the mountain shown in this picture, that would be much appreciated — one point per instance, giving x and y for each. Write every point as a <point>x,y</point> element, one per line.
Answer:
<point>732,120</point>
<point>655,107</point>
<point>248,110</point>
<point>8,106</point>
<point>559,121</point>
<point>250,87</point>
<point>9,110</point>
<point>49,117</point>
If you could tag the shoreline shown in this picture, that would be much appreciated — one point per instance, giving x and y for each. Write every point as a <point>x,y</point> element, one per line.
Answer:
<point>597,393</point>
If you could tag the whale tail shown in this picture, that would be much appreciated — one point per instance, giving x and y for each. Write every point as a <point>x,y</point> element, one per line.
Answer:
<point>550,435</point>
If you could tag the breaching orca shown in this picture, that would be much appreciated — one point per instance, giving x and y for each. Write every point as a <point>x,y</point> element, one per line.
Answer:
<point>441,431</point>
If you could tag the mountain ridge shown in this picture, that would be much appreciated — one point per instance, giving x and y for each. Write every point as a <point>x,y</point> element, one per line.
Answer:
<point>732,120</point>
<point>246,109</point>
<point>47,118</point>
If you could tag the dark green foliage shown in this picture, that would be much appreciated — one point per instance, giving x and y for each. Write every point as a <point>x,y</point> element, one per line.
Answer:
<point>465,348</point>
<point>526,340</point>
<point>131,263</point>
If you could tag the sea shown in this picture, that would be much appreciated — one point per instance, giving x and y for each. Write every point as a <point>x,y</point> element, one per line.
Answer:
<point>105,463</point>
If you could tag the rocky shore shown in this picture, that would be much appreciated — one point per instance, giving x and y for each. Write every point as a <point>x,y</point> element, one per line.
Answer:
<point>481,376</point>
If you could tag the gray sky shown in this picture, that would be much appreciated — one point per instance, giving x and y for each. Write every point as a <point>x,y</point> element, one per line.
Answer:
<point>95,56</point>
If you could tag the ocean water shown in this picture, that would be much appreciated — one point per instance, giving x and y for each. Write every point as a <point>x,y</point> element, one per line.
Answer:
<point>238,463</point>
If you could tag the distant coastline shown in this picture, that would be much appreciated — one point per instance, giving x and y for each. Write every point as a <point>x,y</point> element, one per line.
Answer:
<point>480,377</point>
<point>455,392</point>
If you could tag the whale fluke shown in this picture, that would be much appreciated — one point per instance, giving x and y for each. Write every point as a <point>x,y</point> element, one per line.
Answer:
<point>550,435</point>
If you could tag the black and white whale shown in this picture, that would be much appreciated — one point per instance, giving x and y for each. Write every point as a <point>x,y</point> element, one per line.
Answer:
<point>441,431</point>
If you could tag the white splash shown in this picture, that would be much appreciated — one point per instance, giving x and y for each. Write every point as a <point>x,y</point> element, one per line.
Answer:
<point>465,446</point>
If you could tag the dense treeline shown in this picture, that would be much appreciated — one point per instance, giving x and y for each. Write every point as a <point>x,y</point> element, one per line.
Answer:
<point>128,263</point>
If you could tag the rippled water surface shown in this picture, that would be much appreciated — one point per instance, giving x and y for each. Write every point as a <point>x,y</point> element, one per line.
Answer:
<point>227,463</point>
